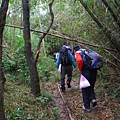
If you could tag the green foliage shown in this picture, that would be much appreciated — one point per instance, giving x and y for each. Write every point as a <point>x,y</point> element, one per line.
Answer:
<point>116,92</point>
<point>53,44</point>
<point>14,62</point>
<point>108,84</point>
<point>55,111</point>
<point>19,114</point>
<point>20,104</point>
<point>11,1</point>
<point>47,69</point>
<point>70,20</point>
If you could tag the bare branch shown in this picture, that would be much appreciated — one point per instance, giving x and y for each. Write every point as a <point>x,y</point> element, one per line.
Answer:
<point>44,34</point>
<point>52,19</point>
<point>69,112</point>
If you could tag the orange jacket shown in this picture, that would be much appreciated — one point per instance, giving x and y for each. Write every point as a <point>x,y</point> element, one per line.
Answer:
<point>79,60</point>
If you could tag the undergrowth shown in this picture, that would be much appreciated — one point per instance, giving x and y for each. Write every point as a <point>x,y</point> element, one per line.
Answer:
<point>20,104</point>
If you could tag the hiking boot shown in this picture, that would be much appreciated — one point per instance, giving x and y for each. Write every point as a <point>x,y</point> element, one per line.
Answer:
<point>68,84</point>
<point>87,110</point>
<point>94,103</point>
<point>63,89</point>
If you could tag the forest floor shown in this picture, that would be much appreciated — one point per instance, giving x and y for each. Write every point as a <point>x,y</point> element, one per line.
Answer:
<point>20,104</point>
<point>70,103</point>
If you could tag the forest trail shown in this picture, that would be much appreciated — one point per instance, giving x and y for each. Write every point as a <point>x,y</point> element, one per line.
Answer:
<point>70,106</point>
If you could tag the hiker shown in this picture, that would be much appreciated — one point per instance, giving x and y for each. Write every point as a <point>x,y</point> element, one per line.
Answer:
<point>66,60</point>
<point>90,74</point>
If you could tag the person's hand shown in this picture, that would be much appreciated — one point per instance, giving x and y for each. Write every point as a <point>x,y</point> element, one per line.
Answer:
<point>38,51</point>
<point>80,72</point>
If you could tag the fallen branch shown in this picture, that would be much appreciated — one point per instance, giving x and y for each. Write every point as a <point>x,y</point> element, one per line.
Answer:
<point>69,112</point>
<point>67,38</point>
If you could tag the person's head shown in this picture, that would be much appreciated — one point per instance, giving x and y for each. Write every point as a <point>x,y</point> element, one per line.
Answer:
<point>76,48</point>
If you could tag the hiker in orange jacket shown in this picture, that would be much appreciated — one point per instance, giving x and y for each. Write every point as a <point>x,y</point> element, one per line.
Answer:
<point>88,93</point>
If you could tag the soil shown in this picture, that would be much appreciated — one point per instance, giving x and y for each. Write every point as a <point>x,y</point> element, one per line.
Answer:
<point>70,104</point>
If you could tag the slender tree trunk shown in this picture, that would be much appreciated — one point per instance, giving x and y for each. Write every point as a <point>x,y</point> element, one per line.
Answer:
<point>112,12</point>
<point>3,12</point>
<point>34,79</point>
<point>117,2</point>
<point>114,38</point>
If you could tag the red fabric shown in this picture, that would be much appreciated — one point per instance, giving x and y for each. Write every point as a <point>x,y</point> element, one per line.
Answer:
<point>79,61</point>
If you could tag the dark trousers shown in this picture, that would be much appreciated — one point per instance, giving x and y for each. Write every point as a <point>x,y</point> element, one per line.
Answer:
<point>88,93</point>
<point>66,70</point>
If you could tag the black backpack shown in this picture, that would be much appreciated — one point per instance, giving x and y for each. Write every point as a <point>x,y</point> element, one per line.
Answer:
<point>64,56</point>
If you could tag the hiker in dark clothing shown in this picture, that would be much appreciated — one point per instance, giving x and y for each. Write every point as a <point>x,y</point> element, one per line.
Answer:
<point>66,67</point>
<point>88,93</point>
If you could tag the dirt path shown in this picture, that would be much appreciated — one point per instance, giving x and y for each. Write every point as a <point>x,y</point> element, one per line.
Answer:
<point>71,108</point>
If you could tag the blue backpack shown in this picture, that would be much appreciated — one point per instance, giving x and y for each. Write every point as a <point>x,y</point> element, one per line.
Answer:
<point>91,59</point>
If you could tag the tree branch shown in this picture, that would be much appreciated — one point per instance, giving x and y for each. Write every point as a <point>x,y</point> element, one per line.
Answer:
<point>69,112</point>
<point>44,34</point>
<point>65,37</point>
<point>52,19</point>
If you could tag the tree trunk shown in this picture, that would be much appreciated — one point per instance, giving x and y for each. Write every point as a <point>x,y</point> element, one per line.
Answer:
<point>3,11</point>
<point>114,38</point>
<point>34,79</point>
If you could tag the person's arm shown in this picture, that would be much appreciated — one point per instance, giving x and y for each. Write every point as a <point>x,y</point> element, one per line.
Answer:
<point>73,60</point>
<point>58,61</point>
<point>79,61</point>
